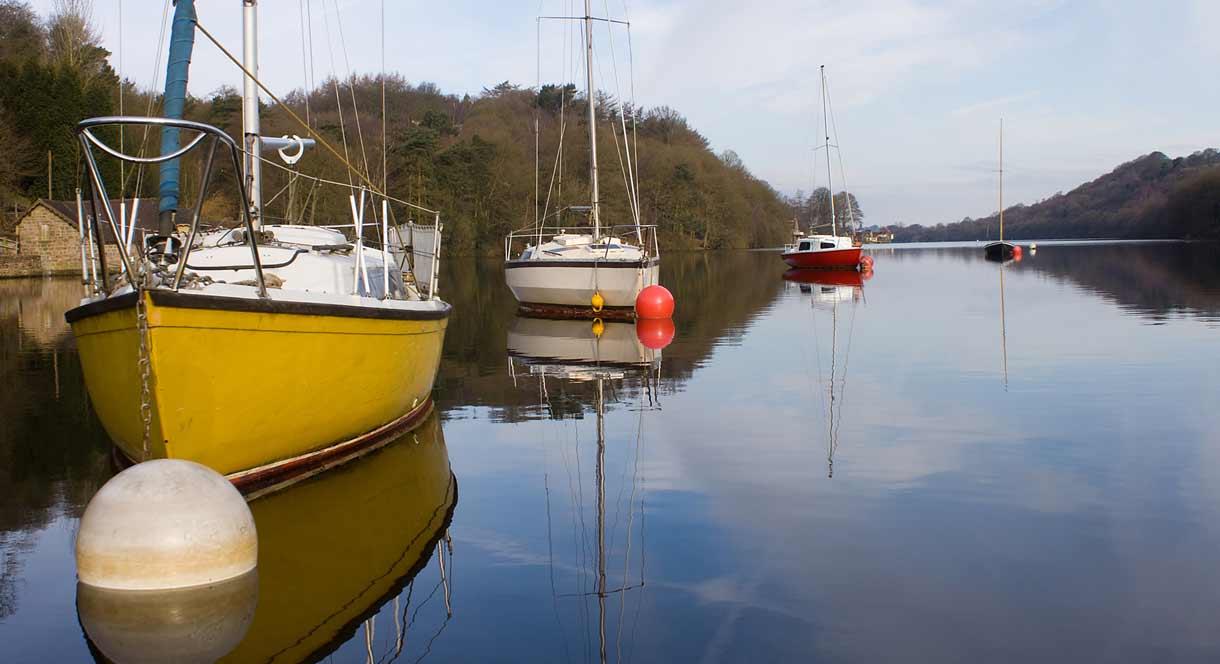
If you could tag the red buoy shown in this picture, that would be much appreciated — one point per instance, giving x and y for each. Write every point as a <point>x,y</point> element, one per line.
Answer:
<point>655,333</point>
<point>1017,251</point>
<point>866,263</point>
<point>654,302</point>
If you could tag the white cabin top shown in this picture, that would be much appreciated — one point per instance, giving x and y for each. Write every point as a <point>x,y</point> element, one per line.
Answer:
<point>820,243</point>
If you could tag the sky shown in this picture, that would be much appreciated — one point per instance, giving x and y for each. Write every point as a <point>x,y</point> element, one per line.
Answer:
<point>918,88</point>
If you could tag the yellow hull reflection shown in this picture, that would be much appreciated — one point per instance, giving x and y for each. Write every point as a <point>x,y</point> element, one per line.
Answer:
<point>333,549</point>
<point>237,390</point>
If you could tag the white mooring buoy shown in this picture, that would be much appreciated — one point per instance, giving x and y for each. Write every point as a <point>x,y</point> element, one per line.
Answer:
<point>165,524</point>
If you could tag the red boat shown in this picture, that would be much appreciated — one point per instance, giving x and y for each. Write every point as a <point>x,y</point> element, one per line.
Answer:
<point>823,251</point>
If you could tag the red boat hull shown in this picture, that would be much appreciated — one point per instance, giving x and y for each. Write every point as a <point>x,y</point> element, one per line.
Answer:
<point>834,259</point>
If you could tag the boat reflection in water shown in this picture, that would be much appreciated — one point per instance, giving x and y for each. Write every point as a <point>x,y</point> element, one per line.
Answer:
<point>334,550</point>
<point>827,290</point>
<point>568,357</point>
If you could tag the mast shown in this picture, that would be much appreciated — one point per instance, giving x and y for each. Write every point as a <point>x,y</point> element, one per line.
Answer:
<point>594,210</point>
<point>253,171</point>
<point>1001,179</point>
<point>601,518</point>
<point>830,181</point>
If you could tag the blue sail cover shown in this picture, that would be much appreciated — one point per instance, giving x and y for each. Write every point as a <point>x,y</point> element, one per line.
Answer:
<point>181,43</point>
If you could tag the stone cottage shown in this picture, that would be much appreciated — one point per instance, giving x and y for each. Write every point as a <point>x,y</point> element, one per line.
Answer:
<point>48,240</point>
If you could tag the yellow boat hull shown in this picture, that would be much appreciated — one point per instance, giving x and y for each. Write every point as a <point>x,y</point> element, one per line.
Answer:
<point>239,385</point>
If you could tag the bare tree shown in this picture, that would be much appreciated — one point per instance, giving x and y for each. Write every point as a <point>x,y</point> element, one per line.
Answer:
<point>72,39</point>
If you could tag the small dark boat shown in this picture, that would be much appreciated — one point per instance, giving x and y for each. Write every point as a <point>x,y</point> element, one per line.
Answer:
<point>999,251</point>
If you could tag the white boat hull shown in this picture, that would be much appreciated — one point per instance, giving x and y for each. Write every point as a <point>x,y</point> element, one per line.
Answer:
<point>573,283</point>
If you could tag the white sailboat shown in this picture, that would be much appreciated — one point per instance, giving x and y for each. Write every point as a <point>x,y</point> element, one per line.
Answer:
<point>586,269</point>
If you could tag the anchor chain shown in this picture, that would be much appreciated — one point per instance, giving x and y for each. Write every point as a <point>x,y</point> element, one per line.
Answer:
<point>145,367</point>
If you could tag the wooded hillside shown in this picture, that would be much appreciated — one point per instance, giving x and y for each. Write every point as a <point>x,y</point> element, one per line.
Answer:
<point>470,157</point>
<point>1153,196</point>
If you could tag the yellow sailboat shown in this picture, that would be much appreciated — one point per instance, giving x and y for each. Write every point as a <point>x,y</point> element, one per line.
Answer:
<point>263,350</point>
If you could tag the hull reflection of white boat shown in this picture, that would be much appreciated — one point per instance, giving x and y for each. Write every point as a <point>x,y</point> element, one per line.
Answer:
<point>574,346</point>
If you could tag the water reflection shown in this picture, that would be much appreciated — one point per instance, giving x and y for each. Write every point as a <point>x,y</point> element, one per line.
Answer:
<point>949,494</point>
<point>1155,280</point>
<point>193,625</point>
<point>37,307</point>
<point>53,453</point>
<point>1003,327</point>
<point>827,289</point>
<point>561,356</point>
<point>338,556</point>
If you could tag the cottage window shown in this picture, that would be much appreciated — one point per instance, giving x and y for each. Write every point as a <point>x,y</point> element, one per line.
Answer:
<point>46,232</point>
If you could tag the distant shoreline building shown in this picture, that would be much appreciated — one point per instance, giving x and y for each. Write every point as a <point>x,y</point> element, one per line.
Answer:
<point>48,239</point>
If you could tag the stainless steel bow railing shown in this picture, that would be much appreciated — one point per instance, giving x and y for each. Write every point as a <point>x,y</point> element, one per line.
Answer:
<point>85,131</point>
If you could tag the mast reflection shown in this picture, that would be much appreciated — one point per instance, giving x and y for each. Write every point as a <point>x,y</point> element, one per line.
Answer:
<point>827,290</point>
<point>571,356</point>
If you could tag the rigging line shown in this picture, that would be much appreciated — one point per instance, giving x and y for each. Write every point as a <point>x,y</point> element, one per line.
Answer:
<point>634,111</point>
<point>139,172</point>
<point>313,75</point>
<point>624,169</point>
<point>555,168</point>
<point>304,58</point>
<point>639,432</point>
<point>550,539</point>
<point>309,130</point>
<point>851,327</point>
<point>587,549</point>
<point>384,160</point>
<point>817,351</point>
<point>629,176</point>
<point>643,483</point>
<point>351,86</point>
<point>334,80</point>
<point>851,215</point>
<point>320,180</point>
<point>577,513</point>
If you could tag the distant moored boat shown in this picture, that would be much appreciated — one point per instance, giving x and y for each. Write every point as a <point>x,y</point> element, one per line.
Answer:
<point>1000,250</point>
<point>826,251</point>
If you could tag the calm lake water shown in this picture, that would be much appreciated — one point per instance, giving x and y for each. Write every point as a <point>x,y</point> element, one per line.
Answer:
<point>954,462</point>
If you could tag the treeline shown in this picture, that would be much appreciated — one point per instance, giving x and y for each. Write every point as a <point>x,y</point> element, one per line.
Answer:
<point>53,73</point>
<point>1153,196</point>
<point>812,213</point>
<point>470,157</point>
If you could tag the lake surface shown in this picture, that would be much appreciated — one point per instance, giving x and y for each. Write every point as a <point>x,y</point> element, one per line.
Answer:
<point>954,461</point>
